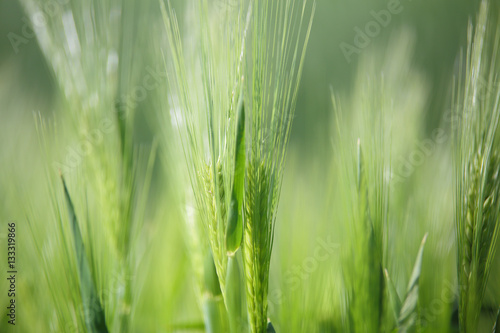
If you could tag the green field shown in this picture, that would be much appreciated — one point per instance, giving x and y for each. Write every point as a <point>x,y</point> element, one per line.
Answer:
<point>250,166</point>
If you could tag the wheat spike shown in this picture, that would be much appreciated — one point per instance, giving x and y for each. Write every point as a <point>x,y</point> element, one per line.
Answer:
<point>488,202</point>
<point>215,208</point>
<point>257,243</point>
<point>477,166</point>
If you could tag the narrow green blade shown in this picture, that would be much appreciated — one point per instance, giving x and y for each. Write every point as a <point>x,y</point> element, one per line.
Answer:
<point>408,313</point>
<point>239,168</point>
<point>210,276</point>
<point>496,326</point>
<point>93,312</point>
<point>234,231</point>
<point>214,311</point>
<point>393,296</point>
<point>234,293</point>
<point>213,314</point>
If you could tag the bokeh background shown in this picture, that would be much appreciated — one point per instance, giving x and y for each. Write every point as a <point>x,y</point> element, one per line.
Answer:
<point>433,34</point>
<point>439,28</point>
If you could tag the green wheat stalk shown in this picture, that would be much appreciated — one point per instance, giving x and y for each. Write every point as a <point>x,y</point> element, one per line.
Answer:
<point>209,89</point>
<point>477,164</point>
<point>93,68</point>
<point>206,99</point>
<point>277,60</point>
<point>364,174</point>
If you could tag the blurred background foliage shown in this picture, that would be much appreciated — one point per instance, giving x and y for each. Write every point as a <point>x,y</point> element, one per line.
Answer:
<point>439,27</point>
<point>434,33</point>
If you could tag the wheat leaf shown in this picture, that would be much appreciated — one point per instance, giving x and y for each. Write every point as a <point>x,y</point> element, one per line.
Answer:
<point>234,231</point>
<point>210,276</point>
<point>234,293</point>
<point>94,315</point>
<point>408,313</point>
<point>213,304</point>
<point>394,298</point>
<point>213,310</point>
<point>496,326</point>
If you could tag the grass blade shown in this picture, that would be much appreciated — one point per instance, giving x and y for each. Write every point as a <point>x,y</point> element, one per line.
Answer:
<point>408,313</point>
<point>234,231</point>
<point>213,310</point>
<point>213,304</point>
<point>210,276</point>
<point>393,296</point>
<point>93,312</point>
<point>496,326</point>
<point>234,294</point>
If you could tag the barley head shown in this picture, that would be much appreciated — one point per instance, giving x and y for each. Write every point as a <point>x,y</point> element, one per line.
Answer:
<point>279,39</point>
<point>477,165</point>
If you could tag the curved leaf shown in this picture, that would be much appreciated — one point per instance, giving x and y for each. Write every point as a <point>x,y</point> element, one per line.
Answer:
<point>93,312</point>
<point>234,231</point>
